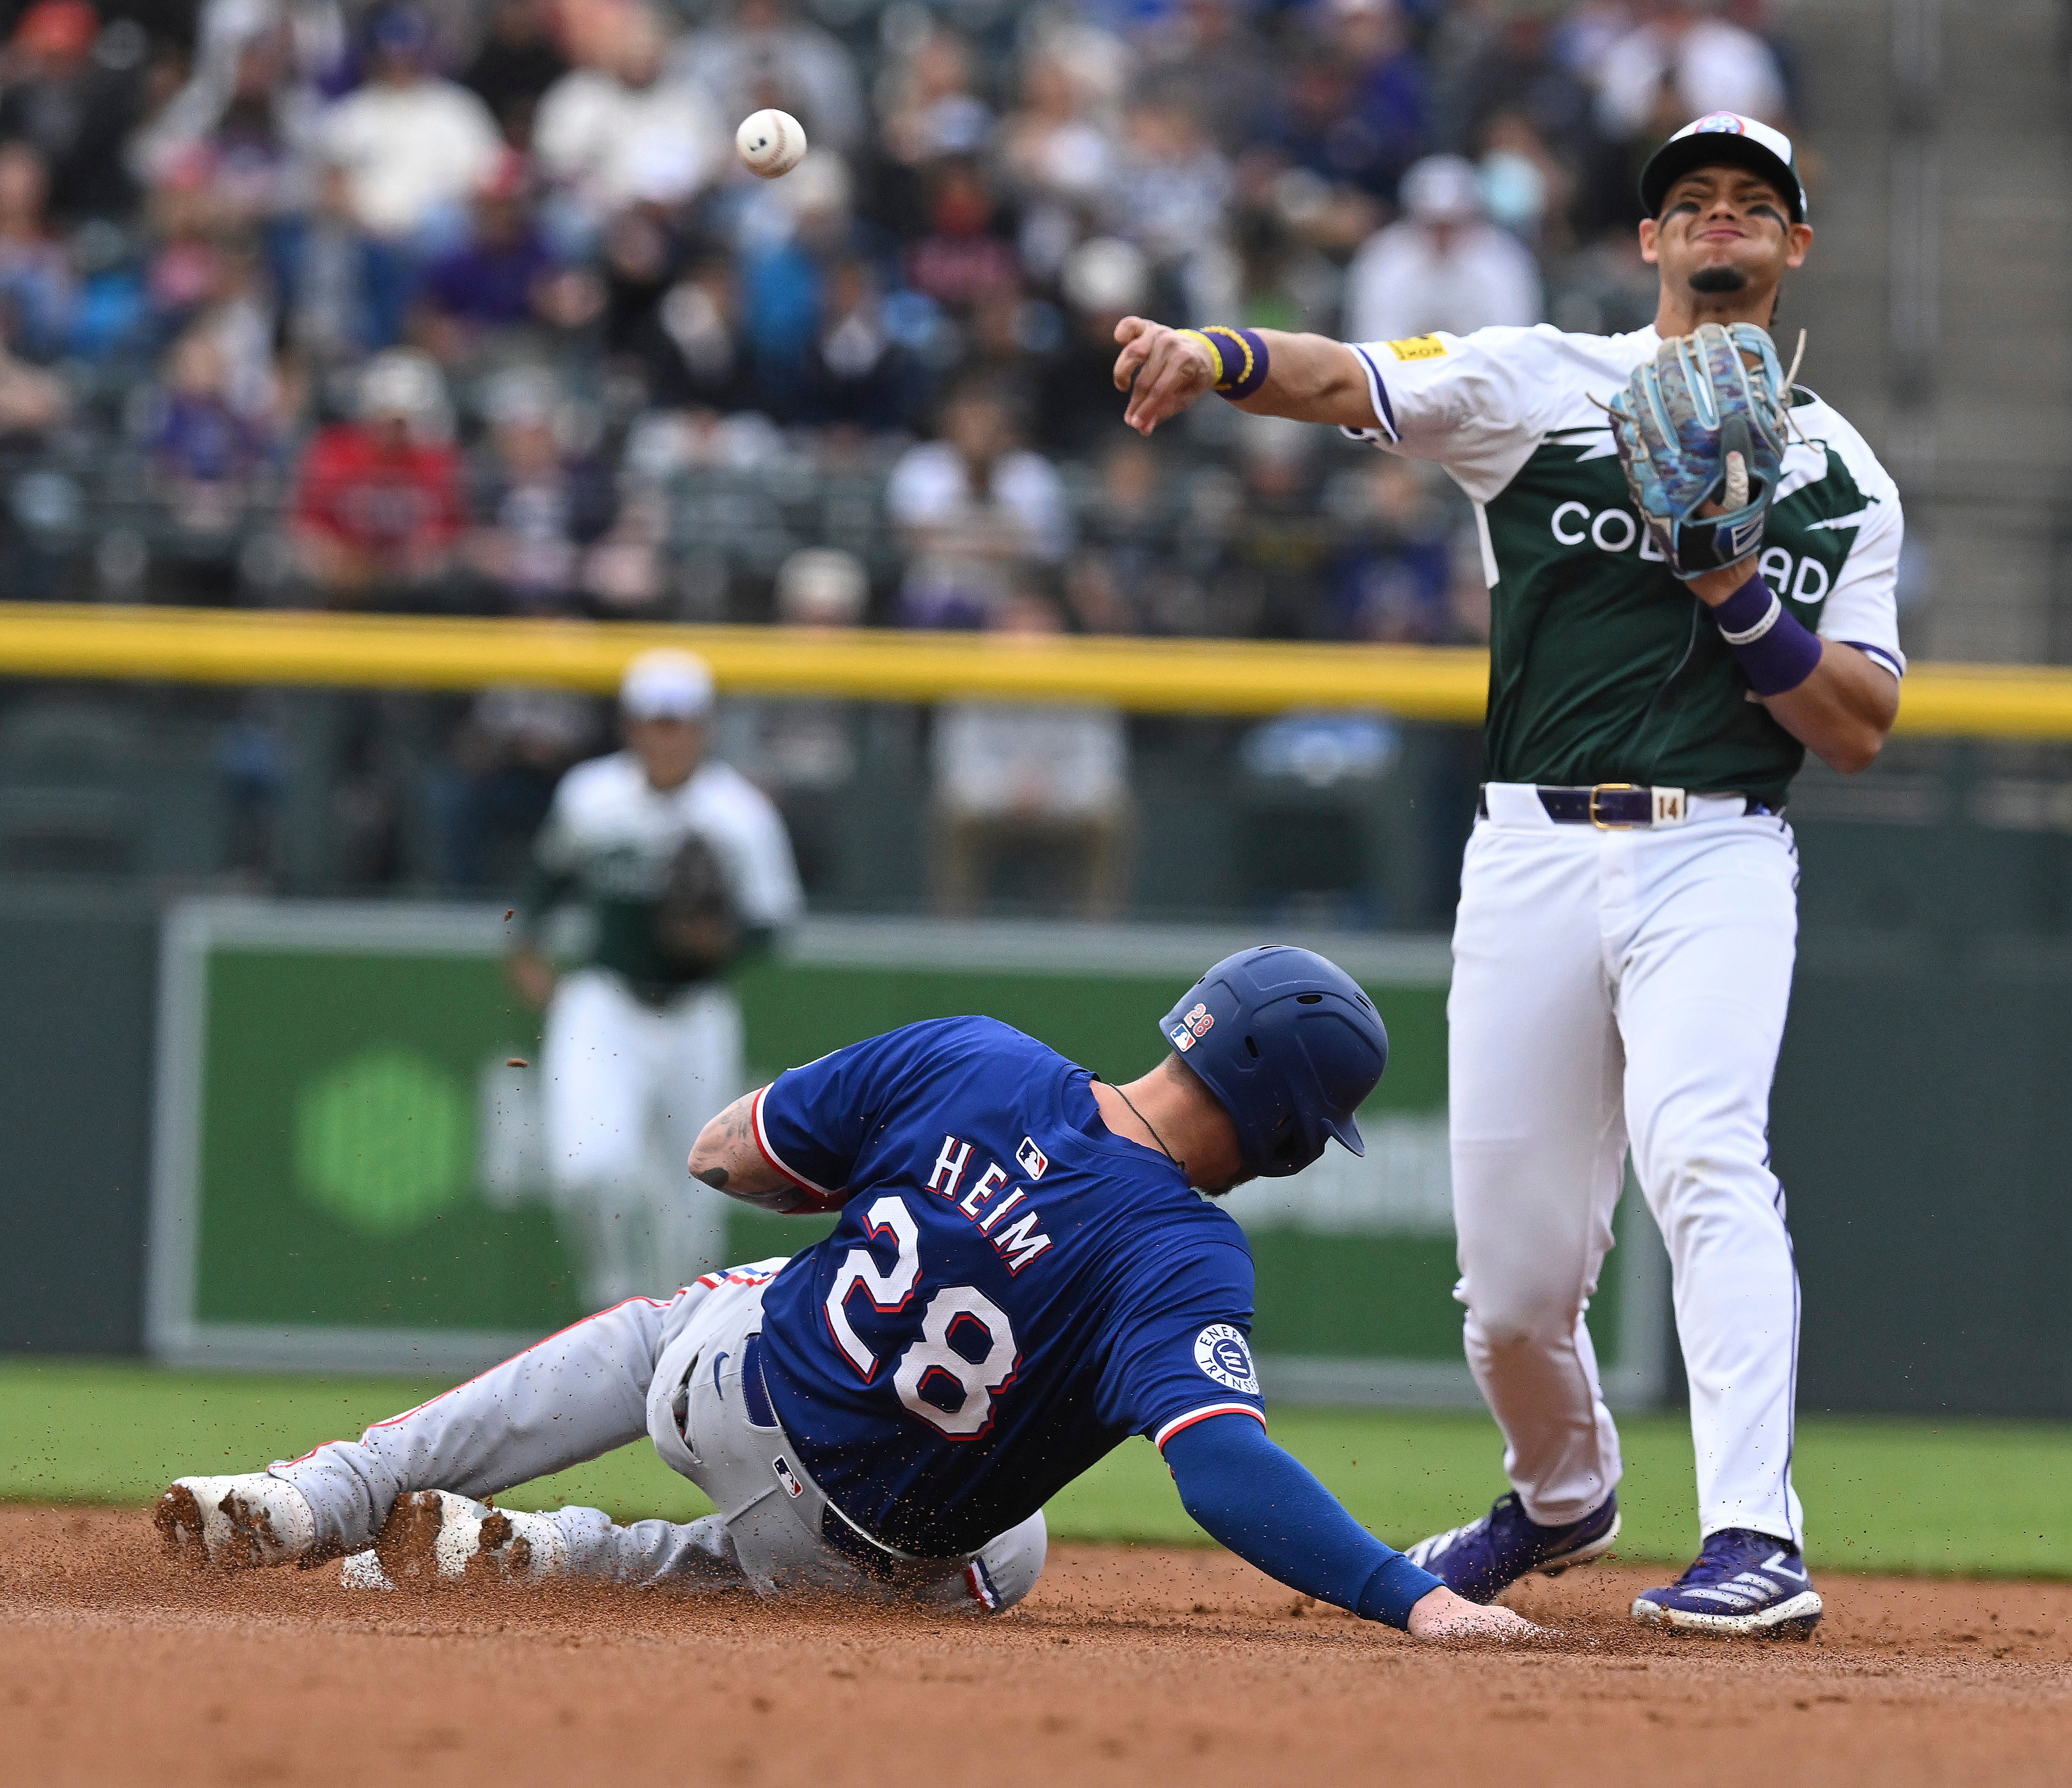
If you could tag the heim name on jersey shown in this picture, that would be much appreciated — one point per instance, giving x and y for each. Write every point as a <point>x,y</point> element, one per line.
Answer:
<point>1600,670</point>
<point>1020,1242</point>
<point>1009,1292</point>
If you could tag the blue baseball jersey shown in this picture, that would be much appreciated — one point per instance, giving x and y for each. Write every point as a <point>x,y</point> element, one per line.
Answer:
<point>1011,1291</point>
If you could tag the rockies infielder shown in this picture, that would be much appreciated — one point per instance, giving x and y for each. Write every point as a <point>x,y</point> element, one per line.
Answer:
<point>1021,1278</point>
<point>643,1042</point>
<point>1623,948</point>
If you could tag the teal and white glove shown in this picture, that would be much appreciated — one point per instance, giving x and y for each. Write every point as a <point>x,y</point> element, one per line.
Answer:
<point>1703,424</point>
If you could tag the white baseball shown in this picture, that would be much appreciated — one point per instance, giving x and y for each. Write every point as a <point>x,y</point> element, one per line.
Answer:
<point>771,143</point>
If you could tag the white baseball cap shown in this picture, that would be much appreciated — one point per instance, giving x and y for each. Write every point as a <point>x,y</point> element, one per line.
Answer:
<point>1106,273</point>
<point>400,381</point>
<point>1443,189</point>
<point>664,684</point>
<point>822,586</point>
<point>1726,137</point>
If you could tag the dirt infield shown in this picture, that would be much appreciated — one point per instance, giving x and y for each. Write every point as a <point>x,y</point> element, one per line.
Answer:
<point>1127,1666</point>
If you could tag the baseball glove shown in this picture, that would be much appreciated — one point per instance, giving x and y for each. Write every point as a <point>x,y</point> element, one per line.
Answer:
<point>1703,425</point>
<point>696,927</point>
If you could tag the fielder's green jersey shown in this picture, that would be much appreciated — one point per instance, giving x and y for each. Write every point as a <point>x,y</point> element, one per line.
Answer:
<point>1603,667</point>
<point>607,842</point>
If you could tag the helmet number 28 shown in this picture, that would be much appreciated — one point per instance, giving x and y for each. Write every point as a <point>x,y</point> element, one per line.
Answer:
<point>956,1315</point>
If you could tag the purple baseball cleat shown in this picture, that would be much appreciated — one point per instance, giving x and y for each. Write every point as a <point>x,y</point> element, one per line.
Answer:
<point>1743,1584</point>
<point>1482,1560</point>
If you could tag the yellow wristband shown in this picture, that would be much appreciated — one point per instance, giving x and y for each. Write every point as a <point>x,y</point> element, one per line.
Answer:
<point>1215,355</point>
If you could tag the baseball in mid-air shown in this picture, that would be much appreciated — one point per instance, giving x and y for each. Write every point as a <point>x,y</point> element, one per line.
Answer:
<point>771,143</point>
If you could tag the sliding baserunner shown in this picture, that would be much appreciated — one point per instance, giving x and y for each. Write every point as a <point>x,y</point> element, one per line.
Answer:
<point>1022,1278</point>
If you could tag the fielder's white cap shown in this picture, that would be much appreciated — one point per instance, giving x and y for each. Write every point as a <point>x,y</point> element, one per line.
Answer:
<point>1724,137</point>
<point>666,686</point>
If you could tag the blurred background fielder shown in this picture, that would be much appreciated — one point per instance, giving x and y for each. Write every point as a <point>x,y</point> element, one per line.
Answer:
<point>682,863</point>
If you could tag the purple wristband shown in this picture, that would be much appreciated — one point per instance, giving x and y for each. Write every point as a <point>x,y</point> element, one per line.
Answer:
<point>1244,353</point>
<point>1777,653</point>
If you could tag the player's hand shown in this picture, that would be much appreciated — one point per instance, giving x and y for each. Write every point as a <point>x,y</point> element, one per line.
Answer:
<point>1163,371</point>
<point>1715,587</point>
<point>1443,1615</point>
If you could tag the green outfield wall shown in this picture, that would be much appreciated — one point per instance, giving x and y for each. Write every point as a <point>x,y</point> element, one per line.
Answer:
<point>1920,1123</point>
<point>348,1171</point>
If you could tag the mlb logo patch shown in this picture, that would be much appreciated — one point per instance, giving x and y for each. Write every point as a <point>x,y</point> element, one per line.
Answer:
<point>1030,1159</point>
<point>787,1477</point>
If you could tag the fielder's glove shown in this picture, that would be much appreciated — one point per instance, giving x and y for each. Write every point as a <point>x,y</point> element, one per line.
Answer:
<point>1703,422</point>
<point>696,927</point>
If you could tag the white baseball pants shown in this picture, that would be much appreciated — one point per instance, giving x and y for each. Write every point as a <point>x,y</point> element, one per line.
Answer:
<point>628,1089</point>
<point>1612,986</point>
<point>670,1369</point>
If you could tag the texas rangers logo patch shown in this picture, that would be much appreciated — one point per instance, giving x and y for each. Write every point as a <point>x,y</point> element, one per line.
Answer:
<point>1030,1159</point>
<point>1221,1351</point>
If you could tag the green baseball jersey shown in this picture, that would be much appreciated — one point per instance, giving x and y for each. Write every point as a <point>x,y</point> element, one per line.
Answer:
<point>607,842</point>
<point>1603,667</point>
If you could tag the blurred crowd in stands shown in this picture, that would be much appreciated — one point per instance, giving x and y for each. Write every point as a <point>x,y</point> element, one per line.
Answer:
<point>468,307</point>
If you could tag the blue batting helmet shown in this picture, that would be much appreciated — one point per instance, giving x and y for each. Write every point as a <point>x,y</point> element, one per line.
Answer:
<point>1289,1046</point>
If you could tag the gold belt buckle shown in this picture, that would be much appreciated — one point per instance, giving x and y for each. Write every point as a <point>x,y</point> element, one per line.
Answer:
<point>1612,788</point>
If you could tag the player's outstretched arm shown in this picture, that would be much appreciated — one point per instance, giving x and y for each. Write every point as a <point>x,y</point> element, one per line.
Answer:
<point>727,1157</point>
<point>1310,378</point>
<point>1264,1505</point>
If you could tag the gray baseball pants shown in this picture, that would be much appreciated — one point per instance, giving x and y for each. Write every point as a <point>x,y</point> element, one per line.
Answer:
<point>669,1369</point>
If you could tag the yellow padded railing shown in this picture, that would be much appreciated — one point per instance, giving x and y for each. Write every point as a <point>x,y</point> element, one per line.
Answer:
<point>1147,675</point>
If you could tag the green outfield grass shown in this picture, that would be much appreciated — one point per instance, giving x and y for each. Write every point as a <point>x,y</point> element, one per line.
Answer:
<point>1944,1496</point>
